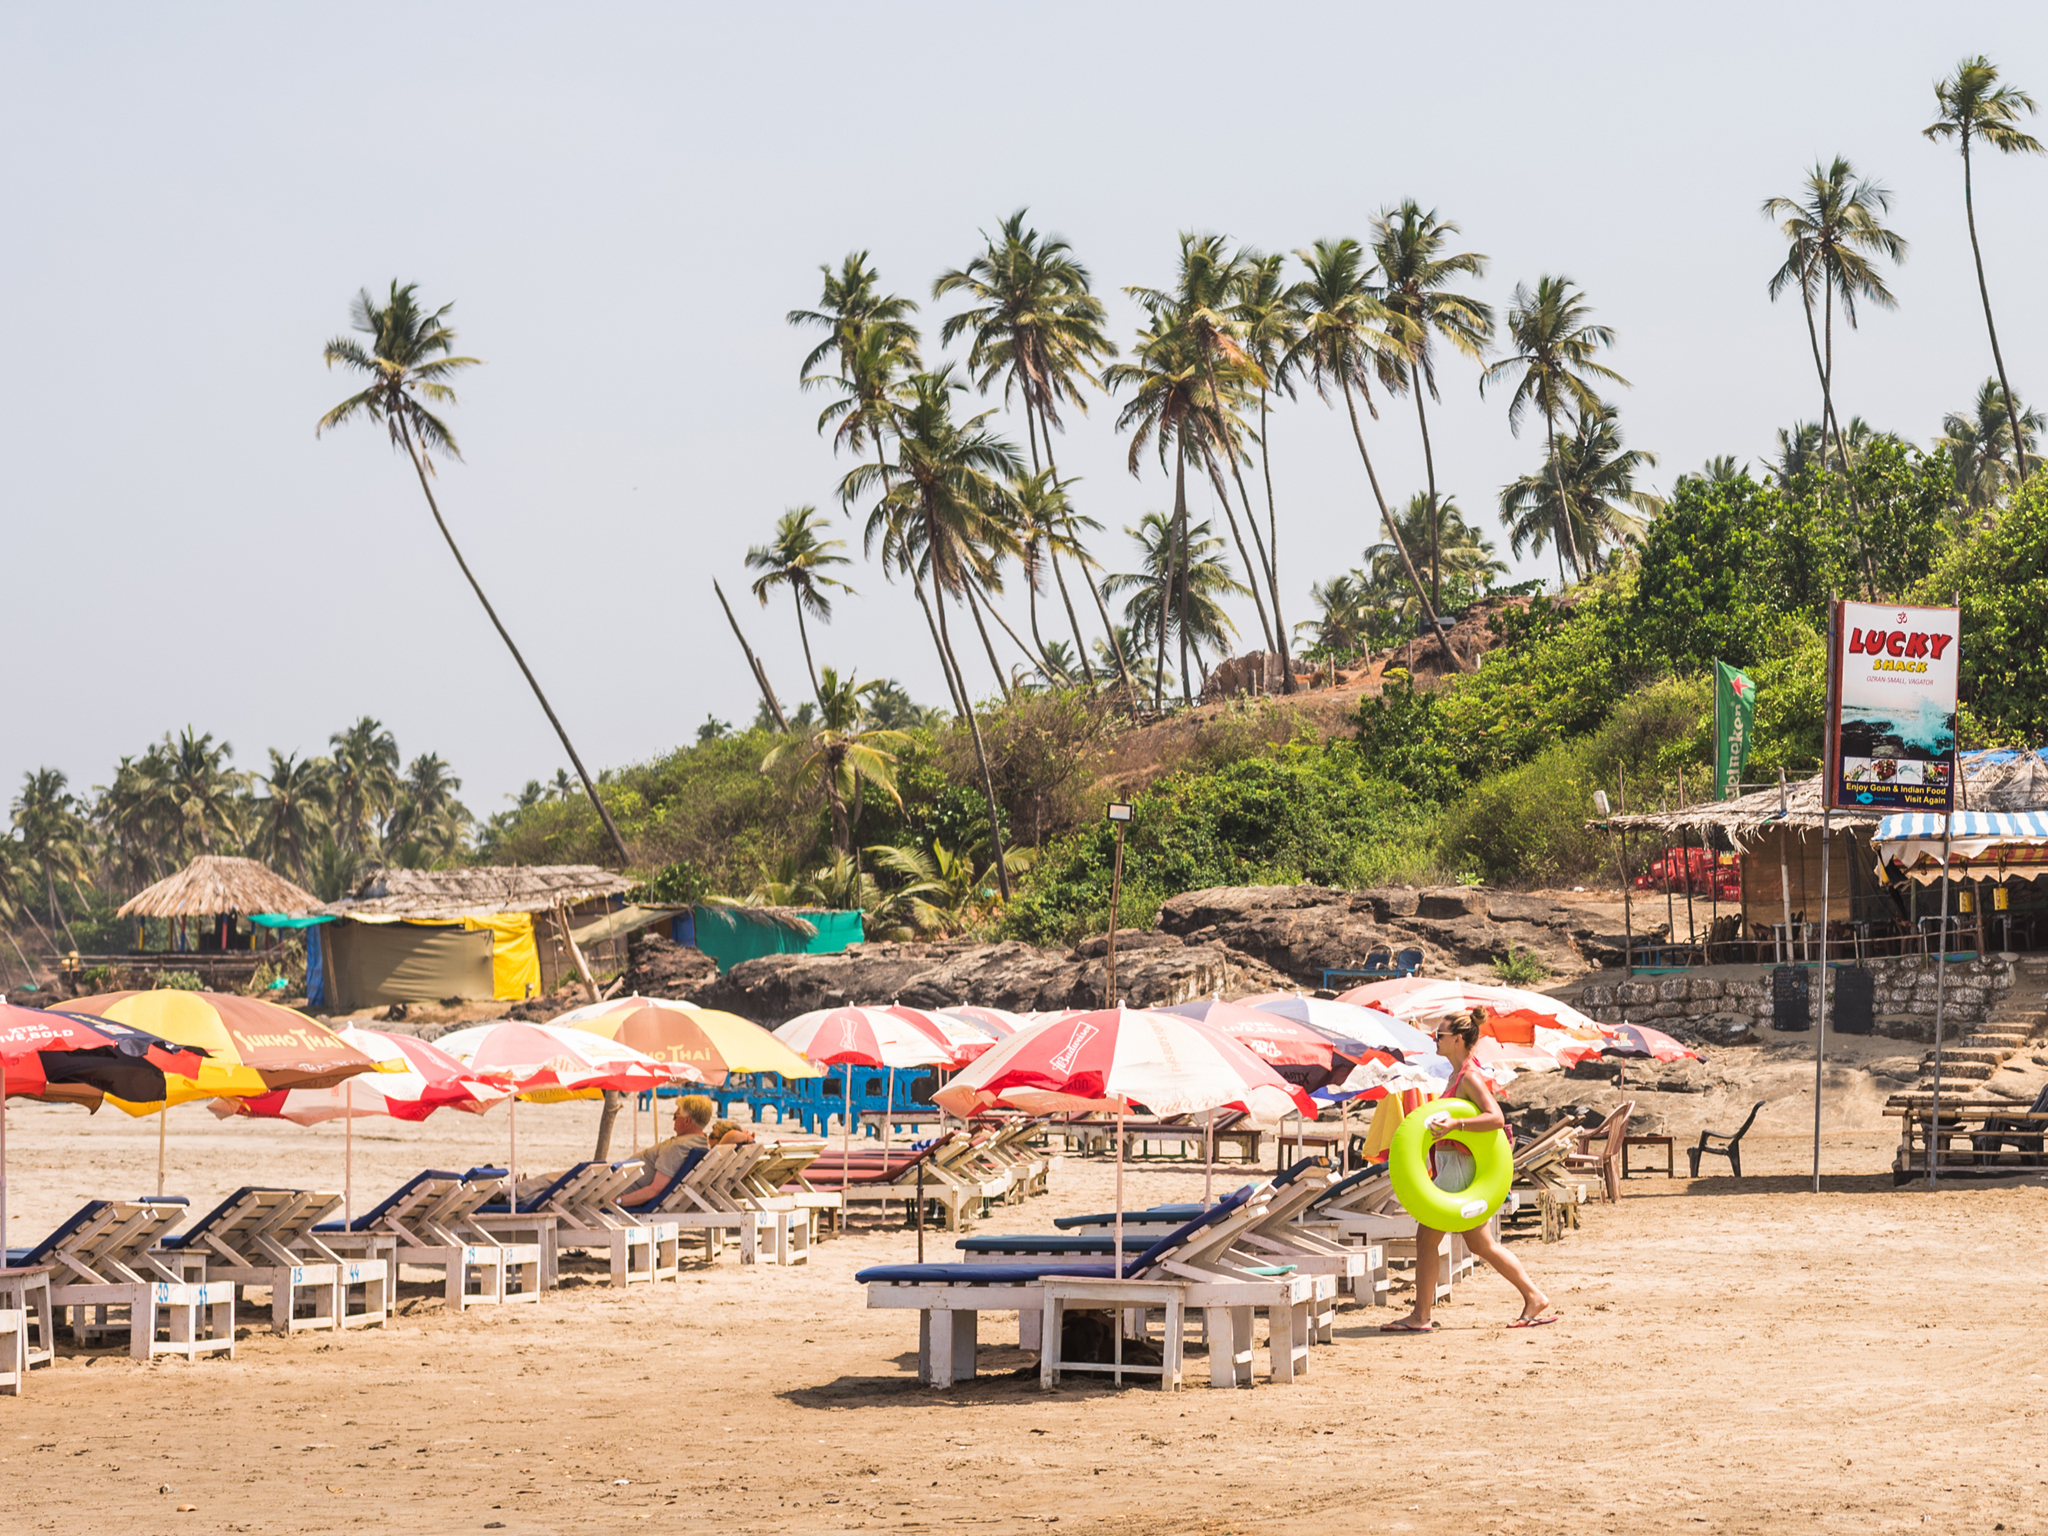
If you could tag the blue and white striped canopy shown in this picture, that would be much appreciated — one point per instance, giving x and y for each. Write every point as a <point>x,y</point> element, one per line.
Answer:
<point>1991,826</point>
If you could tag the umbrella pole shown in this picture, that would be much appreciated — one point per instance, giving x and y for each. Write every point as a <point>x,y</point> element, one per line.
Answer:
<point>162,1119</point>
<point>1209,1158</point>
<point>3,1162</point>
<point>1117,1268</point>
<point>846,1122</point>
<point>348,1151</point>
<point>512,1158</point>
<point>1344,1146</point>
<point>888,1112</point>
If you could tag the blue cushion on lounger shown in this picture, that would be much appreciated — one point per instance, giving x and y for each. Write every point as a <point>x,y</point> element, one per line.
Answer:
<point>370,1218</point>
<point>16,1257</point>
<point>1304,1166</point>
<point>1344,1186</point>
<point>977,1274</point>
<point>1181,1234</point>
<point>531,1202</point>
<point>1051,1243</point>
<point>1153,1214</point>
<point>210,1219</point>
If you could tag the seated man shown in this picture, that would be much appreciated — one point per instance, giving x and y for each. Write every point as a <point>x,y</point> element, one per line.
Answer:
<point>664,1160</point>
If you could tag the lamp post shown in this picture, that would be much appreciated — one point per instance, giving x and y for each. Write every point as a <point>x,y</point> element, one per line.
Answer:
<point>1119,817</point>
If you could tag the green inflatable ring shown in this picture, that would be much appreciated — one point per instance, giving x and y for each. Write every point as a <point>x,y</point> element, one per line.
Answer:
<point>1439,1209</point>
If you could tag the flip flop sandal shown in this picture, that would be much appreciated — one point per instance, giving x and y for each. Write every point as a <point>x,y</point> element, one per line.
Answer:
<point>1430,1327</point>
<point>1541,1321</point>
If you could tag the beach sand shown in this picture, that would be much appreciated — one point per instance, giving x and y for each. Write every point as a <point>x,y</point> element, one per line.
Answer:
<point>1732,1357</point>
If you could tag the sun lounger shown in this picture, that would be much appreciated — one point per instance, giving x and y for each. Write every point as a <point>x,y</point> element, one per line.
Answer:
<point>265,1237</point>
<point>576,1209</point>
<point>13,1350</point>
<point>894,1178</point>
<point>701,1198</point>
<point>102,1261</point>
<point>428,1222</point>
<point>1187,1267</point>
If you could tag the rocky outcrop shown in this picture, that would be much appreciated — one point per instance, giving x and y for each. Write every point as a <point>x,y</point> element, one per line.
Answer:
<point>1019,977</point>
<point>657,966</point>
<point>1304,930</point>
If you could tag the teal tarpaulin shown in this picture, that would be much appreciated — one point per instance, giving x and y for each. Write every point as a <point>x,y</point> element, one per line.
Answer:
<point>278,920</point>
<point>732,934</point>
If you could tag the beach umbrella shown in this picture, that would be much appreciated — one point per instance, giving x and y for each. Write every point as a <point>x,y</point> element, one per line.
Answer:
<point>251,1047</point>
<point>1000,1021</point>
<point>714,1042</point>
<point>1114,1057</point>
<point>1625,1040</point>
<point>414,1079</point>
<point>967,1038</point>
<point>1437,998</point>
<point>545,1062</point>
<point>864,1037</point>
<point>1298,1053</point>
<point>1353,1029</point>
<point>68,1057</point>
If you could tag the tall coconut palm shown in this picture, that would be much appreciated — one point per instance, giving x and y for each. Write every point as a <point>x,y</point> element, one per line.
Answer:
<point>204,793</point>
<point>1410,247</point>
<point>798,559</point>
<point>364,782</point>
<point>1975,106</point>
<point>851,308</point>
<point>1834,239</point>
<point>1434,527</point>
<point>409,360</point>
<point>933,517</point>
<point>1045,526</point>
<point>844,752</point>
<point>53,835</point>
<point>136,819</point>
<point>1037,328</point>
<point>293,814</point>
<point>1268,331</point>
<point>1584,496</point>
<point>1204,307</point>
<point>428,825</point>
<point>1981,443</point>
<point>1349,338</point>
<point>1554,369</point>
<point>1180,591</point>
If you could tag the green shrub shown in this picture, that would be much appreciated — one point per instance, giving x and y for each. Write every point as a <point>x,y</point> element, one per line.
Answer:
<point>179,981</point>
<point>1520,968</point>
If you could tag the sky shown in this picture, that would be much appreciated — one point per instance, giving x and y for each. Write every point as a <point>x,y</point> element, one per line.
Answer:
<point>623,202</point>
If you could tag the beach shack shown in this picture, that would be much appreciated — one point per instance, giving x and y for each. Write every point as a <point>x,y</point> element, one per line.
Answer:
<point>431,935</point>
<point>204,907</point>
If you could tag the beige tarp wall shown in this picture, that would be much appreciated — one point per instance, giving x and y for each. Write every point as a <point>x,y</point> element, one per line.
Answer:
<point>373,963</point>
<point>1852,882</point>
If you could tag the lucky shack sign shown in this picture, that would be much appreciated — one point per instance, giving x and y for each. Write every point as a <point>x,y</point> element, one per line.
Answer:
<point>1891,722</point>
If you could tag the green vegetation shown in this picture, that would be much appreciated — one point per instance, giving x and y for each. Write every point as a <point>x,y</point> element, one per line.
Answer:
<point>1520,968</point>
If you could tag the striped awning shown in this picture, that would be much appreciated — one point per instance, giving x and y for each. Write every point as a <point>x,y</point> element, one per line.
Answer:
<point>1997,826</point>
<point>1982,844</point>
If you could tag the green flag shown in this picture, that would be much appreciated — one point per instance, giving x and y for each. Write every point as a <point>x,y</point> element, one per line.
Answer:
<point>1734,716</point>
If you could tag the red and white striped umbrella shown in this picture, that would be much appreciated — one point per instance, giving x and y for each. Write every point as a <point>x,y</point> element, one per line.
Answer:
<point>537,1058</point>
<point>432,1080</point>
<point>867,1037</point>
<point>999,1022</point>
<point>966,1038</point>
<point>1115,1057</point>
<point>1294,1050</point>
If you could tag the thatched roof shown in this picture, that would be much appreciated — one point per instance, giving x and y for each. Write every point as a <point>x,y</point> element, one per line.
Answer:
<point>1992,781</point>
<point>448,894</point>
<point>210,885</point>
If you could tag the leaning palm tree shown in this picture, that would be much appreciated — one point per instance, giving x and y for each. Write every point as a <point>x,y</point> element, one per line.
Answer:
<point>1178,590</point>
<point>1434,527</point>
<point>1409,246</point>
<point>1834,238</point>
<point>1554,343</point>
<point>1975,106</point>
<point>934,516</point>
<point>844,753</point>
<point>409,359</point>
<point>1268,329</point>
<point>1349,338</point>
<point>53,835</point>
<point>1045,524</point>
<point>1584,497</point>
<point>798,559</point>
<point>1981,444</point>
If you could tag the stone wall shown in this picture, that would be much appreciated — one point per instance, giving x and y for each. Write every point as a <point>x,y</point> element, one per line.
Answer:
<point>1729,1010</point>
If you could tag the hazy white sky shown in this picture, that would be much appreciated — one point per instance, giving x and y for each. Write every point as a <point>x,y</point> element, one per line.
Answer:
<point>623,202</point>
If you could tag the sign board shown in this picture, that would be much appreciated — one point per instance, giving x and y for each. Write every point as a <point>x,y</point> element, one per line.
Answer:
<point>1891,715</point>
<point>1734,719</point>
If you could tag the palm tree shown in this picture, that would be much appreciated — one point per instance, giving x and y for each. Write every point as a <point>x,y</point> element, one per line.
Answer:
<point>797,558</point>
<point>1833,237</point>
<point>1435,528</point>
<point>203,792</point>
<point>1409,246</point>
<point>1180,589</point>
<point>1268,331</point>
<point>364,783</point>
<point>1974,105</point>
<point>1352,618</point>
<point>53,835</point>
<point>410,358</point>
<point>292,817</point>
<point>135,818</point>
<point>851,309</point>
<point>890,707</point>
<point>1204,307</point>
<point>1981,444</point>
<point>943,889</point>
<point>934,517</point>
<point>841,756</point>
<point>1584,495</point>
<point>1554,343</point>
<point>428,825</point>
<point>1349,337</point>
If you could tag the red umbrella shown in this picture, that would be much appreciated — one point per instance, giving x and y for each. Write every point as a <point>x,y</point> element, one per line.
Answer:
<point>1292,1049</point>
<point>1628,1040</point>
<point>867,1037</point>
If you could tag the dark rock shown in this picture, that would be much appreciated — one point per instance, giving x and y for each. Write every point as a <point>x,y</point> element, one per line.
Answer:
<point>31,997</point>
<point>1128,941</point>
<point>657,966</point>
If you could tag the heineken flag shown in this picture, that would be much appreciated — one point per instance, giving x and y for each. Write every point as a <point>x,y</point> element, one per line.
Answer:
<point>1734,716</point>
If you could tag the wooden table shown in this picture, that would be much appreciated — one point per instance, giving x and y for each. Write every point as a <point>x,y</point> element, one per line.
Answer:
<point>1994,1130</point>
<point>1648,1141</point>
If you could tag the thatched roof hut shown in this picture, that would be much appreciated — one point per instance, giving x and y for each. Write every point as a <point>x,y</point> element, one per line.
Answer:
<point>211,885</point>
<point>449,895</point>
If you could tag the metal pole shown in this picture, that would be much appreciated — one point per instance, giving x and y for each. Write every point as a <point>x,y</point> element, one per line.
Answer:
<point>1116,884</point>
<point>1692,933</point>
<point>1117,1265</point>
<point>1209,1158</point>
<point>1784,864</point>
<point>920,1206</point>
<point>1820,1038</point>
<point>163,1117</point>
<point>3,1161</point>
<point>348,1151</point>
<point>1940,1007</point>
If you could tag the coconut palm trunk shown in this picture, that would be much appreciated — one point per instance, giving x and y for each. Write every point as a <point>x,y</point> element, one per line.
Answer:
<point>988,783</point>
<point>953,685</point>
<point>987,645</point>
<point>420,469</point>
<point>2012,414</point>
<point>1260,569</point>
<point>804,635</point>
<point>1436,516</point>
<point>1421,593</point>
<point>1273,546</point>
<point>1827,391</point>
<point>1567,540</point>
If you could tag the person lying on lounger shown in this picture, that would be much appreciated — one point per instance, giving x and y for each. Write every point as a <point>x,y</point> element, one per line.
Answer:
<point>1457,1038</point>
<point>694,1132</point>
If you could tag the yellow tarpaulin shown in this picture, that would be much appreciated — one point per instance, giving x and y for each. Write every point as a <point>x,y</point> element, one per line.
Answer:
<point>515,958</point>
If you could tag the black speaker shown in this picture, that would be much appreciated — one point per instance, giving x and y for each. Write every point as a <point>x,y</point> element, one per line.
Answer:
<point>1853,1009</point>
<point>1789,998</point>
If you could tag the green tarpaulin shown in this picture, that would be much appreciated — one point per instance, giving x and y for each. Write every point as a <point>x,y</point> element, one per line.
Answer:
<point>278,920</point>
<point>732,934</point>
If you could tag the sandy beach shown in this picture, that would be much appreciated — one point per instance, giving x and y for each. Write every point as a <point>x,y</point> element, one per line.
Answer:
<point>1731,1357</point>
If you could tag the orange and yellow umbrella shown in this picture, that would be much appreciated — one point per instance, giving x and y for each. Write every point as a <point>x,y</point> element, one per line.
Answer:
<point>252,1047</point>
<point>714,1042</point>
